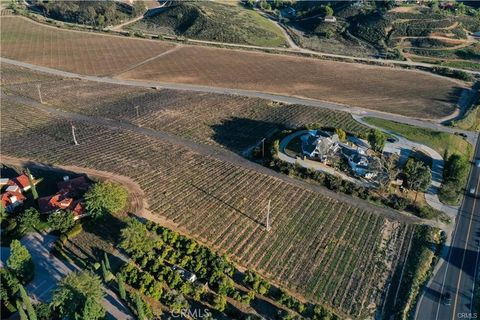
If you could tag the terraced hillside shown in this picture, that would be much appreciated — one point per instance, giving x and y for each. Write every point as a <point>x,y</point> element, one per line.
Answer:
<point>207,20</point>
<point>418,33</point>
<point>321,247</point>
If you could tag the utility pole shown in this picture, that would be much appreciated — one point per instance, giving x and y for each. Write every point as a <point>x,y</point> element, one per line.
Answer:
<point>138,114</point>
<point>263,148</point>
<point>39,93</point>
<point>268,215</point>
<point>73,134</point>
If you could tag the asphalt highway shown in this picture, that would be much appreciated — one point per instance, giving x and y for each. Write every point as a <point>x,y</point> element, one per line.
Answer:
<point>459,268</point>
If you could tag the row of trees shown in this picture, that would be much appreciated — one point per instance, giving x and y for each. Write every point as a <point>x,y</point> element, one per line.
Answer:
<point>157,250</point>
<point>19,271</point>
<point>455,176</point>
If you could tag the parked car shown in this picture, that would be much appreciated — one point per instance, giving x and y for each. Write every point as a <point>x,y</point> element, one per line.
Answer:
<point>472,191</point>
<point>447,299</point>
<point>477,163</point>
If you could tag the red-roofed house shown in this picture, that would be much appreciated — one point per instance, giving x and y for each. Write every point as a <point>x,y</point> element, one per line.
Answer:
<point>67,197</point>
<point>11,199</point>
<point>21,181</point>
<point>12,196</point>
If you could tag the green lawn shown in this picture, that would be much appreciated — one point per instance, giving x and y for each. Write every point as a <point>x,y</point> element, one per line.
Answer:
<point>471,120</point>
<point>444,143</point>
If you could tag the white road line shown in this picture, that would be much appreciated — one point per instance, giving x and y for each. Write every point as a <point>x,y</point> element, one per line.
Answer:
<point>464,250</point>
<point>474,278</point>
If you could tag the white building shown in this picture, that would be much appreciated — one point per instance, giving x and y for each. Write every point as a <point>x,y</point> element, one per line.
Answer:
<point>319,145</point>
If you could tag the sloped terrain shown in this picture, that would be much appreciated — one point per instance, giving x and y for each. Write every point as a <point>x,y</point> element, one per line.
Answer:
<point>207,20</point>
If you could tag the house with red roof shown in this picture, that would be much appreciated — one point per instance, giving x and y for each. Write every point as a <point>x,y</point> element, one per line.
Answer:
<point>69,197</point>
<point>12,195</point>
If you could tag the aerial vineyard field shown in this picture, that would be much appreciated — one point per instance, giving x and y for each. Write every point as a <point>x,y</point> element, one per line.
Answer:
<point>318,246</point>
<point>81,52</point>
<point>404,92</point>
<point>399,91</point>
<point>233,122</point>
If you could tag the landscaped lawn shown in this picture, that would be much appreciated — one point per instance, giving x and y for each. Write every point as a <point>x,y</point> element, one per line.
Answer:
<point>444,143</point>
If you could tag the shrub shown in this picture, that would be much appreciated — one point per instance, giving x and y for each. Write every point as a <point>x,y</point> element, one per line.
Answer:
<point>20,262</point>
<point>105,198</point>
<point>61,221</point>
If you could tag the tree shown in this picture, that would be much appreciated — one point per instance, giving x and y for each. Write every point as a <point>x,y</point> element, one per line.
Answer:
<point>220,302</point>
<point>43,311</point>
<point>328,10</point>
<point>26,301</point>
<point>342,135</point>
<point>418,176</point>
<point>32,185</point>
<point>121,287</point>
<point>136,240</point>
<point>456,170</point>
<point>139,307</point>
<point>20,262</point>
<point>377,140</point>
<point>61,221</point>
<point>92,309</point>
<point>28,220</point>
<point>105,198</point>
<point>79,296</point>
<point>21,312</point>
<point>105,274</point>
<point>107,261</point>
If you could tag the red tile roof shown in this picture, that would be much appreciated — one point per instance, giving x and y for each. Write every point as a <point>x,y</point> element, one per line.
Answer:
<point>21,181</point>
<point>6,198</point>
<point>78,183</point>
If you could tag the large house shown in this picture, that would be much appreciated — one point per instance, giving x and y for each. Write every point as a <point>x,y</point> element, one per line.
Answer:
<point>319,145</point>
<point>358,161</point>
<point>69,197</point>
<point>12,191</point>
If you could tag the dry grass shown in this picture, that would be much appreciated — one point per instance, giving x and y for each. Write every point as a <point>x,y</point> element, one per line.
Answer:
<point>404,92</point>
<point>80,52</point>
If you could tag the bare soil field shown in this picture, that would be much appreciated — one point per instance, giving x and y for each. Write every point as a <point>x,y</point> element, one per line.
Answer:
<point>80,52</point>
<point>320,247</point>
<point>398,91</point>
<point>404,92</point>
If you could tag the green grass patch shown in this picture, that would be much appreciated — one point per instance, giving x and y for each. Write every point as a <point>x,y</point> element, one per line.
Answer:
<point>444,143</point>
<point>471,120</point>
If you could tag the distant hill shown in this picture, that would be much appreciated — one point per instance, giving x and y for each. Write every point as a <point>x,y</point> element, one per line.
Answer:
<point>211,21</point>
<point>418,33</point>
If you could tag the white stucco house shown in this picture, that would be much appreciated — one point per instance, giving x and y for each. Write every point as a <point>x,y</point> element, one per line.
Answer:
<point>319,145</point>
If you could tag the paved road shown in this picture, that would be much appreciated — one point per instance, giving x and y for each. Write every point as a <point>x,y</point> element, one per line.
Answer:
<point>424,123</point>
<point>459,266</point>
<point>49,270</point>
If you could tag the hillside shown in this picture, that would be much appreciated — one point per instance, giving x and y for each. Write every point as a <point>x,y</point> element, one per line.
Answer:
<point>417,33</point>
<point>214,22</point>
